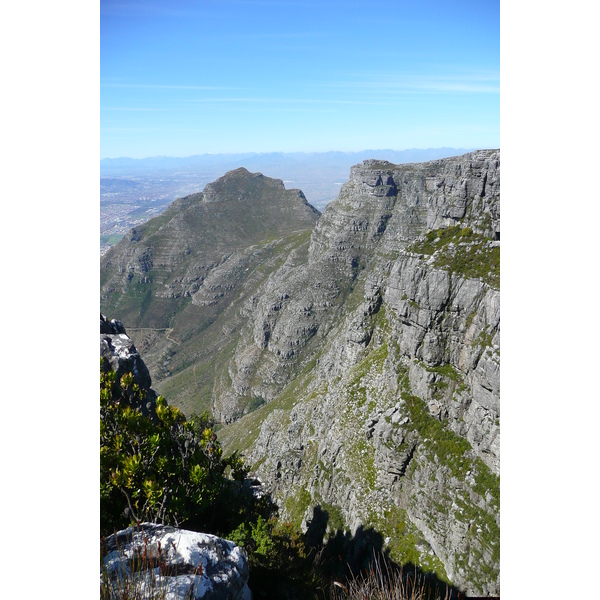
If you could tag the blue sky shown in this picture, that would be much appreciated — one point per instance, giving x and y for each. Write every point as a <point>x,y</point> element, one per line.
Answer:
<point>184,78</point>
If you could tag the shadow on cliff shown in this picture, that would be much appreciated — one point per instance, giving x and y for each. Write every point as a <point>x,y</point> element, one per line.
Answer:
<point>340,556</point>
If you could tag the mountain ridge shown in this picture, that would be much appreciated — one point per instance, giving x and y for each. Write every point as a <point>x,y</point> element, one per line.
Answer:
<point>208,158</point>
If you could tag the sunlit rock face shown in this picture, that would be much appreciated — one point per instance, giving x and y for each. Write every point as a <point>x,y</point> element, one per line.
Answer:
<point>177,564</point>
<point>395,425</point>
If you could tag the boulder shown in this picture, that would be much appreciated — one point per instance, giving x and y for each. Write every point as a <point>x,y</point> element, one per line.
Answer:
<point>171,563</point>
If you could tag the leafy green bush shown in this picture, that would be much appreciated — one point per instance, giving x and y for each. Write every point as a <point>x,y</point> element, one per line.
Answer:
<point>281,563</point>
<point>156,465</point>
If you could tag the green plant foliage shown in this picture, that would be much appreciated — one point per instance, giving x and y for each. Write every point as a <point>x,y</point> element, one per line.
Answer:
<point>460,250</point>
<point>255,403</point>
<point>281,563</point>
<point>158,466</point>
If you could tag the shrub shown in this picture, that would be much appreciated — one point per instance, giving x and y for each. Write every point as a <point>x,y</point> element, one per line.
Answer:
<point>156,465</point>
<point>281,563</point>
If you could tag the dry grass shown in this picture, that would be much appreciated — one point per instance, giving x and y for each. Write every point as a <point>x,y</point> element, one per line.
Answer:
<point>144,576</point>
<point>385,582</point>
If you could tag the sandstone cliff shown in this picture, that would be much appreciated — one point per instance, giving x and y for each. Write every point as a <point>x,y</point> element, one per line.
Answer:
<point>391,328</point>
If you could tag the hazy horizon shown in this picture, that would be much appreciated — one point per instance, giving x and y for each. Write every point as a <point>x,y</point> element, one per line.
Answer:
<point>282,152</point>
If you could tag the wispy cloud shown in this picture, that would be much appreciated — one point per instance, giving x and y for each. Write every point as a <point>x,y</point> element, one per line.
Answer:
<point>487,83</point>
<point>160,86</point>
<point>132,108</point>
<point>282,101</point>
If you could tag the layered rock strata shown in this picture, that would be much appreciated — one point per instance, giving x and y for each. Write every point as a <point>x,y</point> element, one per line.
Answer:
<point>392,418</point>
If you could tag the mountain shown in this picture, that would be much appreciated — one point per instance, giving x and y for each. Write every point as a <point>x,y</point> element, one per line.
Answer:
<point>147,183</point>
<point>352,357</point>
<point>177,281</point>
<point>167,164</point>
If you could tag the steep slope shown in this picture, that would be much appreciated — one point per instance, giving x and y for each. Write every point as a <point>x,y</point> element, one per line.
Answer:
<point>392,418</point>
<point>176,281</point>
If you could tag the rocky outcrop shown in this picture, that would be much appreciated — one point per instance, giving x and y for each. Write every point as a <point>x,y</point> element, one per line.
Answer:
<point>174,563</point>
<point>119,353</point>
<point>391,328</point>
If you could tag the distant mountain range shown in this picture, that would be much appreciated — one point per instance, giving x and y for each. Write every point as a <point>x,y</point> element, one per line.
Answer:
<point>132,190</point>
<point>112,166</point>
<point>318,174</point>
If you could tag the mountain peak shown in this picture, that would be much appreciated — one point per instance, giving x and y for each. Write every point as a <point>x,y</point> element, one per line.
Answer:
<point>240,184</point>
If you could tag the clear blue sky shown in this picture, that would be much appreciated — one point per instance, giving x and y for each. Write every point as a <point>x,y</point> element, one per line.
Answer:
<point>180,78</point>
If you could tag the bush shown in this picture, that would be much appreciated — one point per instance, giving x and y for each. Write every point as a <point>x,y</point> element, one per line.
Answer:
<point>282,566</point>
<point>156,465</point>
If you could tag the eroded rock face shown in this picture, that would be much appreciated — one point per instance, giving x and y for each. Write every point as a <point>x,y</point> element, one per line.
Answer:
<point>120,354</point>
<point>379,211</point>
<point>178,563</point>
<point>395,425</point>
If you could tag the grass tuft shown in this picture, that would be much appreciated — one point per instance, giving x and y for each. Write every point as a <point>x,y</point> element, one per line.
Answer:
<point>383,581</point>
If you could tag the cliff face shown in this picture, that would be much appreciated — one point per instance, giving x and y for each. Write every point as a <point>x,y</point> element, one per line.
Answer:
<point>356,366</point>
<point>391,326</point>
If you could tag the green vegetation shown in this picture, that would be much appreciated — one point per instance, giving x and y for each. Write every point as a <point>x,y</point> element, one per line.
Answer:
<point>451,449</point>
<point>111,240</point>
<point>446,370</point>
<point>336,520</point>
<point>362,455</point>
<point>454,457</point>
<point>156,465</point>
<point>404,541</point>
<point>281,564</point>
<point>297,504</point>
<point>255,402</point>
<point>484,339</point>
<point>373,360</point>
<point>460,250</point>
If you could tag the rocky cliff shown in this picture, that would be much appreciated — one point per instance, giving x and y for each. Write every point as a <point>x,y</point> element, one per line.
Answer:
<point>392,417</point>
<point>357,366</point>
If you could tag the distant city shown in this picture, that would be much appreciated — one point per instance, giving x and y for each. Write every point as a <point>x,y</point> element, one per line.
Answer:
<point>132,191</point>
<point>129,200</point>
